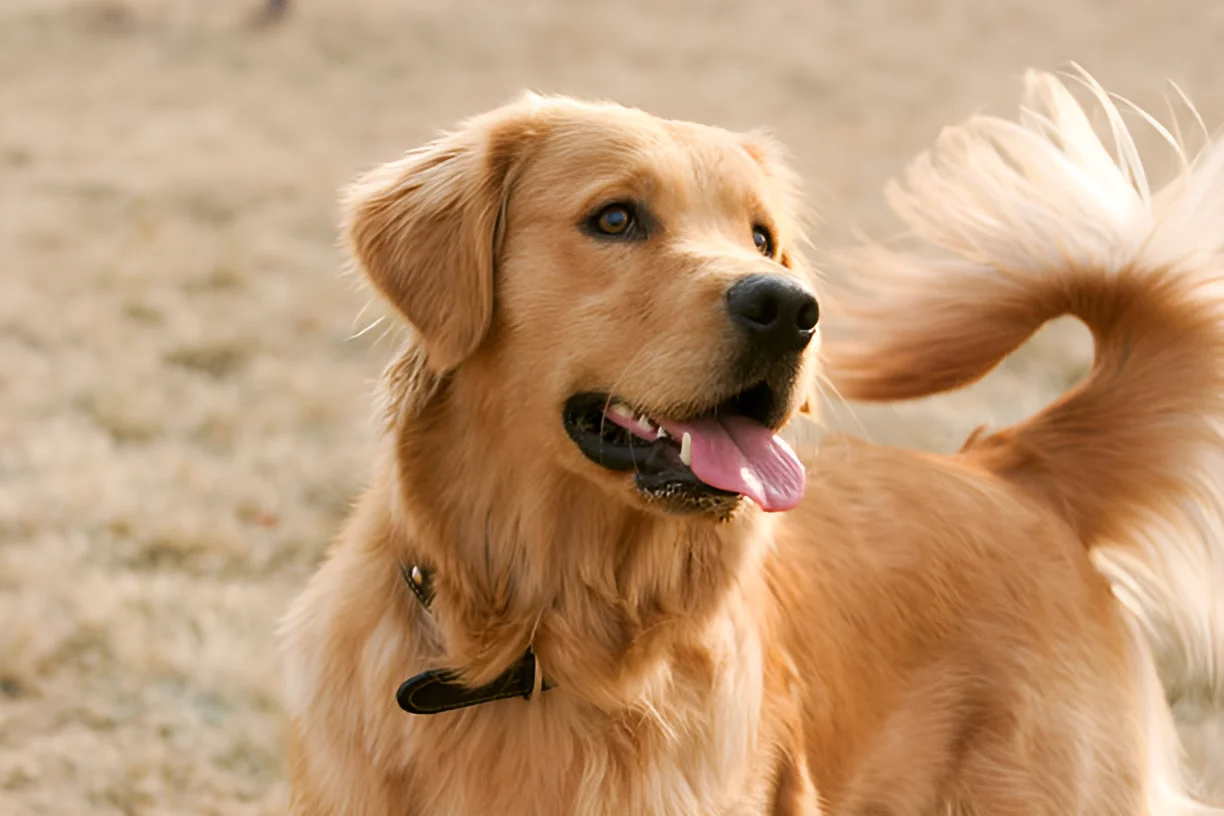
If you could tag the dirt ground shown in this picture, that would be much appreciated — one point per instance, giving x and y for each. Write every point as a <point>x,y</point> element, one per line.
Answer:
<point>184,385</point>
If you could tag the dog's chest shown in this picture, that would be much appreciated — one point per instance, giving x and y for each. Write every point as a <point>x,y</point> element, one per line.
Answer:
<point>645,766</point>
<point>685,748</point>
<point>690,740</point>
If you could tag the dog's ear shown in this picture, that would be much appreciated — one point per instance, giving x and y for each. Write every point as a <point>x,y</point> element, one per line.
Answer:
<point>426,229</point>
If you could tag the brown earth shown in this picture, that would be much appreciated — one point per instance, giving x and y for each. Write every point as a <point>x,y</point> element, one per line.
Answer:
<point>184,385</point>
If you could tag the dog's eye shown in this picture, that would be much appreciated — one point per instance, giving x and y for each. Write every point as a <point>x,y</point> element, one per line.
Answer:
<point>763,240</point>
<point>614,219</point>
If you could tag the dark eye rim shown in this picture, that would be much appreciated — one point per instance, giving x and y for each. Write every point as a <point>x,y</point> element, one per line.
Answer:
<point>769,248</point>
<point>635,230</point>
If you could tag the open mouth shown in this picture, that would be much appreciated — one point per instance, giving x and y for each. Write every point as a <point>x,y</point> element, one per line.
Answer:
<point>707,460</point>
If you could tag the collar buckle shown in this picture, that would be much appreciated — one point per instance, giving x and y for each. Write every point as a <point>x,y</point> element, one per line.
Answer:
<point>438,690</point>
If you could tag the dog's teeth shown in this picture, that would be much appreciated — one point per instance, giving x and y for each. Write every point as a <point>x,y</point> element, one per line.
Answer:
<point>662,433</point>
<point>620,410</point>
<point>645,424</point>
<point>686,450</point>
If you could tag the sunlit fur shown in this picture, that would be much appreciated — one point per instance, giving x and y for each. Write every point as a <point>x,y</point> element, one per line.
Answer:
<point>923,635</point>
<point>1043,218</point>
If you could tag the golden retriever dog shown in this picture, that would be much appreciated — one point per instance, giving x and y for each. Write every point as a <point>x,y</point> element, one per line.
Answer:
<point>589,576</point>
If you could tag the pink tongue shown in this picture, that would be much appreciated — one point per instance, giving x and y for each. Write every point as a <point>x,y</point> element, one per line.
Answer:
<point>736,454</point>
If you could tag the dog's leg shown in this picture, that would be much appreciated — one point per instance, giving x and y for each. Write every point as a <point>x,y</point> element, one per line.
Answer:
<point>340,781</point>
<point>908,769</point>
<point>794,795</point>
<point>1046,781</point>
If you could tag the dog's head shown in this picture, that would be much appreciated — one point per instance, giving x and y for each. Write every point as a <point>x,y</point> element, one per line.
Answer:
<point>623,295</point>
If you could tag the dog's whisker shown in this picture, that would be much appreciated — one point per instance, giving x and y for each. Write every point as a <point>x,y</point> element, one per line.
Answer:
<point>617,381</point>
<point>377,322</point>
<point>829,391</point>
<point>365,307</point>
<point>603,418</point>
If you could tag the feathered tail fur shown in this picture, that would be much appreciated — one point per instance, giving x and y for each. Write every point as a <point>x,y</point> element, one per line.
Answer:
<point>1016,223</point>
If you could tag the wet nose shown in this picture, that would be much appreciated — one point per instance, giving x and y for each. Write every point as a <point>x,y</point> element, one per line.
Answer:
<point>778,313</point>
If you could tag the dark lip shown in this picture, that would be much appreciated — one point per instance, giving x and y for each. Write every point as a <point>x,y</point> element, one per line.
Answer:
<point>587,427</point>
<point>659,473</point>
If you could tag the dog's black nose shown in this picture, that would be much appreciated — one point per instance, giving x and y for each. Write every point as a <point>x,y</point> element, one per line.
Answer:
<point>777,311</point>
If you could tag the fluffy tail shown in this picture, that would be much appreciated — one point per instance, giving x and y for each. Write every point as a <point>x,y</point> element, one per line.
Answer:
<point>1014,224</point>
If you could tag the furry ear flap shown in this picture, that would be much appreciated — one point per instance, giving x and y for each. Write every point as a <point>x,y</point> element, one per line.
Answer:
<point>426,229</point>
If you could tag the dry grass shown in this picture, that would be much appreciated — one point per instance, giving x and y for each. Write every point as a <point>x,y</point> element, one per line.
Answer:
<point>184,414</point>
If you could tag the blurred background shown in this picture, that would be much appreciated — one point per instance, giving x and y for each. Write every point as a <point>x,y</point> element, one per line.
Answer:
<point>185,388</point>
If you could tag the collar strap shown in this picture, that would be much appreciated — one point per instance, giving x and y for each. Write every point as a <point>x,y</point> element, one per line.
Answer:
<point>439,690</point>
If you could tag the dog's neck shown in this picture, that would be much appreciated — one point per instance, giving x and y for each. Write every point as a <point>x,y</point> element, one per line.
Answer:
<point>526,554</point>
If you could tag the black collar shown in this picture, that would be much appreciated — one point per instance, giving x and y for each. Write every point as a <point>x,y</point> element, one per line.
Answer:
<point>438,690</point>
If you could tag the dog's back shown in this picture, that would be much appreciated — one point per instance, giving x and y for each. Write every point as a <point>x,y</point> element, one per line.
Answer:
<point>1039,220</point>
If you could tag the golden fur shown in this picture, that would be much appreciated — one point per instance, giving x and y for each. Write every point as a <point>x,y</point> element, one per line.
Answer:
<point>924,634</point>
